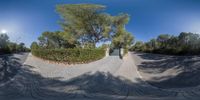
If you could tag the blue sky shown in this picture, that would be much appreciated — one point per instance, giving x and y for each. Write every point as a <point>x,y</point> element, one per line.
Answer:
<point>25,20</point>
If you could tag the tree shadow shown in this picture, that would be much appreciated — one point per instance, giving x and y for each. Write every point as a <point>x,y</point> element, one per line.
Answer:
<point>186,67</point>
<point>182,80</point>
<point>29,84</point>
<point>150,56</point>
<point>9,66</point>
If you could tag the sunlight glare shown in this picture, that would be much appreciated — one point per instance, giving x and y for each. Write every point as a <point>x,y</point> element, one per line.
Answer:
<point>3,31</point>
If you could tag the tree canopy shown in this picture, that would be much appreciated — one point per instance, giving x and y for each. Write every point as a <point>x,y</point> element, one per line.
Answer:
<point>6,46</point>
<point>87,22</point>
<point>56,39</point>
<point>85,25</point>
<point>121,37</point>
<point>184,43</point>
<point>90,24</point>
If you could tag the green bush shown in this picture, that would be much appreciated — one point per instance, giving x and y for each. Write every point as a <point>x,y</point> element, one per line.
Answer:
<point>75,55</point>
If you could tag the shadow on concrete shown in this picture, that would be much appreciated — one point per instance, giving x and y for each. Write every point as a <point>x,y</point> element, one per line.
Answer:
<point>188,68</point>
<point>30,85</point>
<point>9,66</point>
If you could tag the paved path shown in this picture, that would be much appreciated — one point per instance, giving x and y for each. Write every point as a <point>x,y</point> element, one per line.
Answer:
<point>9,66</point>
<point>178,74</point>
<point>107,79</point>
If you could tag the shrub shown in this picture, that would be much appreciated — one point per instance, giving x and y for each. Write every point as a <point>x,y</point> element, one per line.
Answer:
<point>75,55</point>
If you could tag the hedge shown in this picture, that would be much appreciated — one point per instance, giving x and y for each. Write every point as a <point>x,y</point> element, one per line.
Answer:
<point>75,55</point>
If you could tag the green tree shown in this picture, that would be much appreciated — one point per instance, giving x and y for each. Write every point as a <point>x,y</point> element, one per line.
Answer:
<point>4,39</point>
<point>184,43</point>
<point>121,37</point>
<point>139,46</point>
<point>12,47</point>
<point>163,40</point>
<point>87,22</point>
<point>152,45</point>
<point>21,47</point>
<point>189,42</point>
<point>56,39</point>
<point>34,46</point>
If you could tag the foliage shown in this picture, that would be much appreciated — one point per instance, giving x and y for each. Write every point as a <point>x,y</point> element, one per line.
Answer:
<point>105,46</point>
<point>84,25</point>
<point>90,25</point>
<point>75,55</point>
<point>10,47</point>
<point>34,46</point>
<point>184,44</point>
<point>121,37</point>
<point>139,46</point>
<point>58,39</point>
<point>87,22</point>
